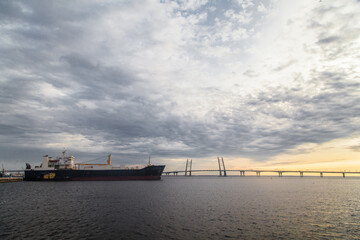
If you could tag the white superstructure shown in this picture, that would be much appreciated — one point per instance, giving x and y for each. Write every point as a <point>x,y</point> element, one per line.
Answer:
<point>64,162</point>
<point>67,162</point>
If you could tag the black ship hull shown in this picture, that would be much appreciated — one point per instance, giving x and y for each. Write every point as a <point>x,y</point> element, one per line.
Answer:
<point>146,173</point>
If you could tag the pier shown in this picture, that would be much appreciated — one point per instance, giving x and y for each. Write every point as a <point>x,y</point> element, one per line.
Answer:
<point>222,171</point>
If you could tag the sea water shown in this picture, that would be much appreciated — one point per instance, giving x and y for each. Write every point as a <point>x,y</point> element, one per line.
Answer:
<point>183,208</point>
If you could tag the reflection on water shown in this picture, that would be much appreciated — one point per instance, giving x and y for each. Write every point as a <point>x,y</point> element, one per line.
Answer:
<point>183,208</point>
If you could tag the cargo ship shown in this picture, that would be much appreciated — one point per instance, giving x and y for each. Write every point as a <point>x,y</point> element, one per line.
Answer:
<point>64,169</point>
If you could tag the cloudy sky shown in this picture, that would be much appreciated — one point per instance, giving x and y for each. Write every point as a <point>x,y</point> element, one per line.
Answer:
<point>263,83</point>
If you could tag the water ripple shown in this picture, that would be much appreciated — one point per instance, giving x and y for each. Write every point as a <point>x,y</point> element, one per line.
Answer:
<point>182,208</point>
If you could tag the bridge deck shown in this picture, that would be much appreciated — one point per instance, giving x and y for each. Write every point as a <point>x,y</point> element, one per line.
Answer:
<point>258,172</point>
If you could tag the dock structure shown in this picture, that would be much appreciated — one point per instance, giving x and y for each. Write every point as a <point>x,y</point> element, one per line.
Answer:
<point>13,176</point>
<point>223,172</point>
<point>10,179</point>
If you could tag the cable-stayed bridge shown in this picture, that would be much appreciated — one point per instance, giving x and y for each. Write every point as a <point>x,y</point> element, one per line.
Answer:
<point>222,171</point>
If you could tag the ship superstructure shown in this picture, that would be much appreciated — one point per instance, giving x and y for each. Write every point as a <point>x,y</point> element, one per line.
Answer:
<point>48,163</point>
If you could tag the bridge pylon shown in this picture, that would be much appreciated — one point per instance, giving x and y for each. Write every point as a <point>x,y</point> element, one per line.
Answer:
<point>188,167</point>
<point>223,166</point>
<point>221,170</point>
<point>220,173</point>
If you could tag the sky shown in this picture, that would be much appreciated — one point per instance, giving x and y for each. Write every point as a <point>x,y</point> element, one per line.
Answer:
<point>268,84</point>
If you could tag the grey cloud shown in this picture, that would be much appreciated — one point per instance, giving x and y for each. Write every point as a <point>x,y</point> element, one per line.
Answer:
<point>47,13</point>
<point>10,10</point>
<point>320,118</point>
<point>355,148</point>
<point>344,32</point>
<point>77,61</point>
<point>284,66</point>
<point>314,119</point>
<point>7,129</point>
<point>250,73</point>
<point>126,115</point>
<point>328,40</point>
<point>98,81</point>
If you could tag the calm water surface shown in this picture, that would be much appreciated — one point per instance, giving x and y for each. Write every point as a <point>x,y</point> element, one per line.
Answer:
<point>183,208</point>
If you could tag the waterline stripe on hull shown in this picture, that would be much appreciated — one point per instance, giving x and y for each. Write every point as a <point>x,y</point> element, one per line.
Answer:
<point>116,178</point>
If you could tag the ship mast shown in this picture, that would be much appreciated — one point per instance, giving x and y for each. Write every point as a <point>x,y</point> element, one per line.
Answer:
<point>109,159</point>
<point>149,164</point>
<point>64,154</point>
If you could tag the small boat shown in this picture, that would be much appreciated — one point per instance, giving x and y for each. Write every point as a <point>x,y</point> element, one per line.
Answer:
<point>7,177</point>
